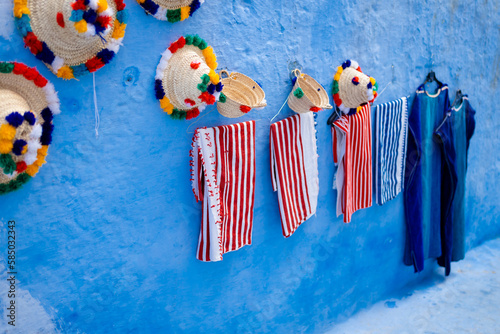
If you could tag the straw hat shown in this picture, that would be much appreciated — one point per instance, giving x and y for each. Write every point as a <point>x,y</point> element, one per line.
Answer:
<point>27,104</point>
<point>171,10</point>
<point>72,37</point>
<point>307,95</point>
<point>240,95</point>
<point>186,81</point>
<point>352,88</point>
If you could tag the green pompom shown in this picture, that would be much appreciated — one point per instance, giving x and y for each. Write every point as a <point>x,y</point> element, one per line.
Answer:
<point>202,87</point>
<point>196,40</point>
<point>298,93</point>
<point>14,184</point>
<point>178,114</point>
<point>203,45</point>
<point>6,67</point>
<point>189,39</point>
<point>205,79</point>
<point>173,15</point>
<point>222,98</point>
<point>335,88</point>
<point>7,163</point>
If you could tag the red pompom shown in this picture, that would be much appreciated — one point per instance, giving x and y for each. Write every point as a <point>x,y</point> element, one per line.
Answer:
<point>190,114</point>
<point>315,109</point>
<point>119,5</point>
<point>245,109</point>
<point>359,69</point>
<point>173,47</point>
<point>19,68</point>
<point>181,42</point>
<point>60,19</point>
<point>105,21</point>
<point>32,42</point>
<point>337,99</point>
<point>78,4</point>
<point>40,81</point>
<point>207,98</point>
<point>189,102</point>
<point>30,74</point>
<point>195,65</point>
<point>21,167</point>
<point>93,64</point>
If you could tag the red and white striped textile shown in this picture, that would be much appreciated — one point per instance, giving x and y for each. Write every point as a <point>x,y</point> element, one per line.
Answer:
<point>352,153</point>
<point>294,169</point>
<point>223,177</point>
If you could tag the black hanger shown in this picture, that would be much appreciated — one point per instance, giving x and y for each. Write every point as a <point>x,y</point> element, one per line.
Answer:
<point>458,98</point>
<point>334,116</point>
<point>432,77</point>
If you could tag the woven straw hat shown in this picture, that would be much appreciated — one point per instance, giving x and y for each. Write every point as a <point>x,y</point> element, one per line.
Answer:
<point>352,88</point>
<point>171,10</point>
<point>307,95</point>
<point>186,81</point>
<point>27,104</point>
<point>240,95</point>
<point>72,37</point>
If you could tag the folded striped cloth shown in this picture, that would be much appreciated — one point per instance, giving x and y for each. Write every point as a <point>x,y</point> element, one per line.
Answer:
<point>352,153</point>
<point>223,178</point>
<point>294,169</point>
<point>391,128</point>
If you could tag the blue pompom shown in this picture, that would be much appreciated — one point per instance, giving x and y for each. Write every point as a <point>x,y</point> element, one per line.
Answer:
<point>211,89</point>
<point>15,119</point>
<point>23,25</point>
<point>218,87</point>
<point>80,70</point>
<point>122,16</point>
<point>346,64</point>
<point>352,111</point>
<point>30,117</point>
<point>369,86</point>
<point>150,6</point>
<point>47,115</point>
<point>99,28</point>
<point>86,2</point>
<point>18,147</point>
<point>46,55</point>
<point>105,55</point>
<point>294,80</point>
<point>194,6</point>
<point>90,16</point>
<point>46,137</point>
<point>160,94</point>
<point>76,15</point>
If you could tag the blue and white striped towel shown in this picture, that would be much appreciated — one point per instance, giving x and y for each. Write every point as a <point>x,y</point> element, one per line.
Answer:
<point>391,128</point>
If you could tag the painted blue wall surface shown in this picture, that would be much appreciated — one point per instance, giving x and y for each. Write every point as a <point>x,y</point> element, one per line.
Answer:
<point>107,231</point>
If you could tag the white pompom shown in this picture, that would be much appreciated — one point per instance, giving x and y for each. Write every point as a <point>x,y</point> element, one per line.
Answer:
<point>90,30</point>
<point>161,14</point>
<point>57,63</point>
<point>217,96</point>
<point>354,64</point>
<point>93,4</point>
<point>108,12</point>
<point>36,132</point>
<point>166,55</point>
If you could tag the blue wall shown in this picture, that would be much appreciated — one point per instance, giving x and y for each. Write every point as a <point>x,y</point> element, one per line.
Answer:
<point>107,231</point>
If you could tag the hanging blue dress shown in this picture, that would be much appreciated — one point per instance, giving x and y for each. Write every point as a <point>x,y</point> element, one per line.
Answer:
<point>463,128</point>
<point>422,190</point>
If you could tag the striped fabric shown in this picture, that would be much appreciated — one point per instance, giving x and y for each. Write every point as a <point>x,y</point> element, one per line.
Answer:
<point>294,169</point>
<point>352,153</point>
<point>223,177</point>
<point>391,129</point>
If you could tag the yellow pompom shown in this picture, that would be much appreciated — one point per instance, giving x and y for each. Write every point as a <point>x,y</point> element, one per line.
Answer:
<point>6,146</point>
<point>81,26</point>
<point>340,69</point>
<point>208,52</point>
<point>166,105</point>
<point>65,72</point>
<point>102,5</point>
<point>7,132</point>
<point>214,77</point>
<point>141,1</point>
<point>336,77</point>
<point>25,149</point>
<point>44,150</point>
<point>372,80</point>
<point>185,11</point>
<point>32,170</point>
<point>119,31</point>
<point>20,9</point>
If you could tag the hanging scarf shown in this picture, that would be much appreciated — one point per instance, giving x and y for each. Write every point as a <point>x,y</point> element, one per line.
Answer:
<point>294,169</point>
<point>391,128</point>
<point>223,178</point>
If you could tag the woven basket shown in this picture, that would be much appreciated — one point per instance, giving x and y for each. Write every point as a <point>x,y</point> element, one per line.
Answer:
<point>241,93</point>
<point>171,10</point>
<point>307,95</point>
<point>24,93</point>
<point>50,32</point>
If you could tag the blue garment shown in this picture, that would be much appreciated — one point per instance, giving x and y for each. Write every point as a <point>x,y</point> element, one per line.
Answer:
<point>422,198</point>
<point>445,138</point>
<point>463,128</point>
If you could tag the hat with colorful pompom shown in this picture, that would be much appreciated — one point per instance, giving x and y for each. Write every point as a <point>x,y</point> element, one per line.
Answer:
<point>27,104</point>
<point>352,88</point>
<point>72,37</point>
<point>307,94</point>
<point>171,10</point>
<point>186,81</point>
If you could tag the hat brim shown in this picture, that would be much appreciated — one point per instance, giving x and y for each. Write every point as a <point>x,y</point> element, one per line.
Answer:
<point>171,11</point>
<point>184,95</point>
<point>43,102</point>
<point>55,41</point>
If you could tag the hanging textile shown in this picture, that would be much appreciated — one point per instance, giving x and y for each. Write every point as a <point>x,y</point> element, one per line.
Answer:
<point>422,196</point>
<point>294,169</point>
<point>223,178</point>
<point>391,127</point>
<point>352,153</point>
